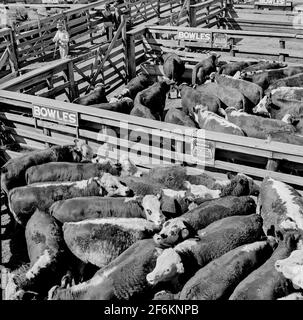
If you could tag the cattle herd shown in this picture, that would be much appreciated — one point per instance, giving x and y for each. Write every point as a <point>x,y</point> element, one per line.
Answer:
<point>259,99</point>
<point>104,230</point>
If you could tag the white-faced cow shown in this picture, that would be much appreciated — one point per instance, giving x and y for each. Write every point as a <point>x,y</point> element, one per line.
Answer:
<point>23,201</point>
<point>78,209</point>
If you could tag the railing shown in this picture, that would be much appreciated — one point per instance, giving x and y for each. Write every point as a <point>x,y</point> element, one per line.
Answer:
<point>148,144</point>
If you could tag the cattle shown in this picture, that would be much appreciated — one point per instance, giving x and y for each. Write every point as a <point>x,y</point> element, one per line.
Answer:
<point>293,296</point>
<point>152,98</point>
<point>185,226</point>
<point>262,128</point>
<point>78,209</point>
<point>99,241</point>
<point>123,279</point>
<point>179,117</point>
<point>291,268</point>
<point>263,65</point>
<point>180,263</point>
<point>135,85</point>
<point>66,171</point>
<point>228,96</point>
<point>280,102</point>
<point>97,96</point>
<point>293,81</point>
<point>232,68</point>
<point>13,172</point>
<point>141,111</point>
<point>204,68</point>
<point>265,78</point>
<point>266,283</point>
<point>219,278</point>
<point>212,122</point>
<point>46,250</point>
<point>23,201</point>
<point>191,98</point>
<point>123,105</point>
<point>173,68</point>
<point>281,206</point>
<point>251,91</point>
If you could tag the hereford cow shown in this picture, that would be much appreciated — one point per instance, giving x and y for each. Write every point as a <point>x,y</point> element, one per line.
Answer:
<point>293,81</point>
<point>228,96</point>
<point>251,91</point>
<point>210,121</point>
<point>266,283</point>
<point>66,171</point>
<point>78,209</point>
<point>263,128</point>
<point>191,98</point>
<point>13,172</point>
<point>265,78</point>
<point>135,85</point>
<point>281,206</point>
<point>204,68</point>
<point>23,201</point>
<point>97,96</point>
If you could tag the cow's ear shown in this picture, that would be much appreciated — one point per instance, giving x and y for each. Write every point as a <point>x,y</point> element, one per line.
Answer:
<point>159,196</point>
<point>180,267</point>
<point>230,175</point>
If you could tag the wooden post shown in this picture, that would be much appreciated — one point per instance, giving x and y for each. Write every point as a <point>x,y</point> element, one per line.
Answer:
<point>13,50</point>
<point>47,132</point>
<point>231,47</point>
<point>282,46</point>
<point>192,13</point>
<point>73,91</point>
<point>124,41</point>
<point>130,58</point>
<point>159,9</point>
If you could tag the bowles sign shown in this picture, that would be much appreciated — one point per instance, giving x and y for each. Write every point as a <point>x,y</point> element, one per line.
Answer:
<point>188,35</point>
<point>57,115</point>
<point>273,2</point>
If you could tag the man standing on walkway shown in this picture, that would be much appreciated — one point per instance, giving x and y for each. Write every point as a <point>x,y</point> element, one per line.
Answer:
<point>62,39</point>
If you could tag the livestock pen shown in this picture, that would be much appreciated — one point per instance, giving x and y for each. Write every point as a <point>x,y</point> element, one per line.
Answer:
<point>116,63</point>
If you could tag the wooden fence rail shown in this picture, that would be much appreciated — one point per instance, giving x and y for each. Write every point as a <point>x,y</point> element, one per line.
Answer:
<point>197,148</point>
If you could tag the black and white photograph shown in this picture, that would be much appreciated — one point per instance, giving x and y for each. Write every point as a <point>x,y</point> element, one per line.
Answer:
<point>151,153</point>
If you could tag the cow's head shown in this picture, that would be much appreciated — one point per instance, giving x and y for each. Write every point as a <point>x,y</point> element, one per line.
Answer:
<point>84,150</point>
<point>112,186</point>
<point>244,180</point>
<point>173,231</point>
<point>128,167</point>
<point>291,119</point>
<point>101,87</point>
<point>168,266</point>
<point>263,107</point>
<point>214,57</point>
<point>152,208</point>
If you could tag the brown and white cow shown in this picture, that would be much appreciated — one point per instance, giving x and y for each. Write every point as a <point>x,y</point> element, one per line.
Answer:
<point>281,206</point>
<point>210,121</point>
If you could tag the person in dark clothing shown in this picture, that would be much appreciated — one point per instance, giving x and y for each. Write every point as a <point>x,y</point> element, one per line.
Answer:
<point>108,20</point>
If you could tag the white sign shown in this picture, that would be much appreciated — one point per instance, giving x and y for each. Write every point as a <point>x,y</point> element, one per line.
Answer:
<point>198,36</point>
<point>273,2</point>
<point>61,116</point>
<point>203,152</point>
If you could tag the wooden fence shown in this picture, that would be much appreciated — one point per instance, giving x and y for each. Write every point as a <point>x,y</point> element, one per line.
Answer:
<point>148,143</point>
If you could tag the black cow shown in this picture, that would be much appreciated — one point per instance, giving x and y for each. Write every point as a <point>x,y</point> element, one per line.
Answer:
<point>98,95</point>
<point>153,98</point>
<point>123,105</point>
<point>232,68</point>
<point>204,68</point>
<point>263,65</point>
<point>173,68</point>
<point>179,117</point>
<point>135,85</point>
